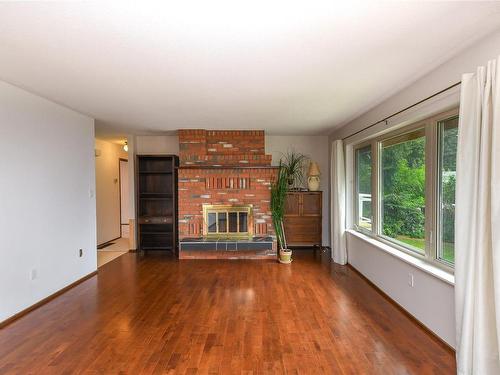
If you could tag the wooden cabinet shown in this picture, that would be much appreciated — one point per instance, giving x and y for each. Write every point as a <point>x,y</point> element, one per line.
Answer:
<point>303,218</point>
<point>156,204</point>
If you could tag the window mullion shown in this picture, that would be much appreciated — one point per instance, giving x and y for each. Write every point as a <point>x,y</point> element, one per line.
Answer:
<point>355,190</point>
<point>430,191</point>
<point>375,188</point>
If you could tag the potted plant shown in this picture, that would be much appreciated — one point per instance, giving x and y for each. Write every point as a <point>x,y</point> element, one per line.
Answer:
<point>279,188</point>
<point>293,163</point>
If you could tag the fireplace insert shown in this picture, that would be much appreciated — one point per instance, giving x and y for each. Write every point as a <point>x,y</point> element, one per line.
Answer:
<point>227,221</point>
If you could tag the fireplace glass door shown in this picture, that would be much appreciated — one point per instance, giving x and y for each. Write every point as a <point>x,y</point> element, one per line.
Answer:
<point>222,221</point>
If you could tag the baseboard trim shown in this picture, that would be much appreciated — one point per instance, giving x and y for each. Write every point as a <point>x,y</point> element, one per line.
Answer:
<point>42,302</point>
<point>443,343</point>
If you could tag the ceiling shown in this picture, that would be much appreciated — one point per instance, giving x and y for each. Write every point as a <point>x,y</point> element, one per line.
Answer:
<point>283,66</point>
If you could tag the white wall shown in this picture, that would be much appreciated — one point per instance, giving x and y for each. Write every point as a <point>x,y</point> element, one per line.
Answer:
<point>108,190</point>
<point>431,301</point>
<point>314,147</point>
<point>157,144</point>
<point>47,200</point>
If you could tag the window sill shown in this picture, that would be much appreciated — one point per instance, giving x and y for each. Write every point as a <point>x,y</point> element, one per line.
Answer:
<point>431,269</point>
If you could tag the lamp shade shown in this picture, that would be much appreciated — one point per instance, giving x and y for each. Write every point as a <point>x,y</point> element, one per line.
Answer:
<point>314,169</point>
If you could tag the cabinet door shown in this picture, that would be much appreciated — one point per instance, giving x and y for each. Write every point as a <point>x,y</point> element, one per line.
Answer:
<point>292,204</point>
<point>311,204</point>
<point>303,231</point>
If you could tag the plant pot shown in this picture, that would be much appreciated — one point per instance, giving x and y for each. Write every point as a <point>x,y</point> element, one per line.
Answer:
<point>285,256</point>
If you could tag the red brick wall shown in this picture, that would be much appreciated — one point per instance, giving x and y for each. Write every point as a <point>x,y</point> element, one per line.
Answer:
<point>222,148</point>
<point>193,192</point>
<point>236,142</point>
<point>232,183</point>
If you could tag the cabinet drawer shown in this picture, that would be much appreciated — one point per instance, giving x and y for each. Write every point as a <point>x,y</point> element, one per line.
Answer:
<point>155,220</point>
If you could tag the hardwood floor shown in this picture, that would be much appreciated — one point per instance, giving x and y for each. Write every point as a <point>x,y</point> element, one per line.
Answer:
<point>153,314</point>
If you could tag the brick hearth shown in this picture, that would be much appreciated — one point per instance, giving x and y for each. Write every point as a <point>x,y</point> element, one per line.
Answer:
<point>223,167</point>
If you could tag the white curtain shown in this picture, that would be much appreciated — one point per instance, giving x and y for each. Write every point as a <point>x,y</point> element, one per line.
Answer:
<point>338,203</point>
<point>477,224</point>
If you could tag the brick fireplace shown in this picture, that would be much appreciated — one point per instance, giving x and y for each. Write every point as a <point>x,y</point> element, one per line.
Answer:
<point>224,169</point>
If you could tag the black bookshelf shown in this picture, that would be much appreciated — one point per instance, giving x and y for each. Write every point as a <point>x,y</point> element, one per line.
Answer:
<point>156,203</point>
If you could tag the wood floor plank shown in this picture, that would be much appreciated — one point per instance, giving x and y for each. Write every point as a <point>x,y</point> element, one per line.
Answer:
<point>154,314</point>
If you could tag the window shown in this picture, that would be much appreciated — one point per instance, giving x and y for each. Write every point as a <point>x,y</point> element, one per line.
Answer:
<point>448,137</point>
<point>364,187</point>
<point>404,188</point>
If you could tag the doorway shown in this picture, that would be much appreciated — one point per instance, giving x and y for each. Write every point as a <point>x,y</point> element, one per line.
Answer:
<point>119,246</point>
<point>112,200</point>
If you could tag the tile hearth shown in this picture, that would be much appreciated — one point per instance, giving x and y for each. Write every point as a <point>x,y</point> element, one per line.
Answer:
<point>212,248</point>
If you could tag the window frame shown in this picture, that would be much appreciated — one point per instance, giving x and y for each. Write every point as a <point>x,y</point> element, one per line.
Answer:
<point>420,126</point>
<point>358,147</point>
<point>438,188</point>
<point>431,126</point>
